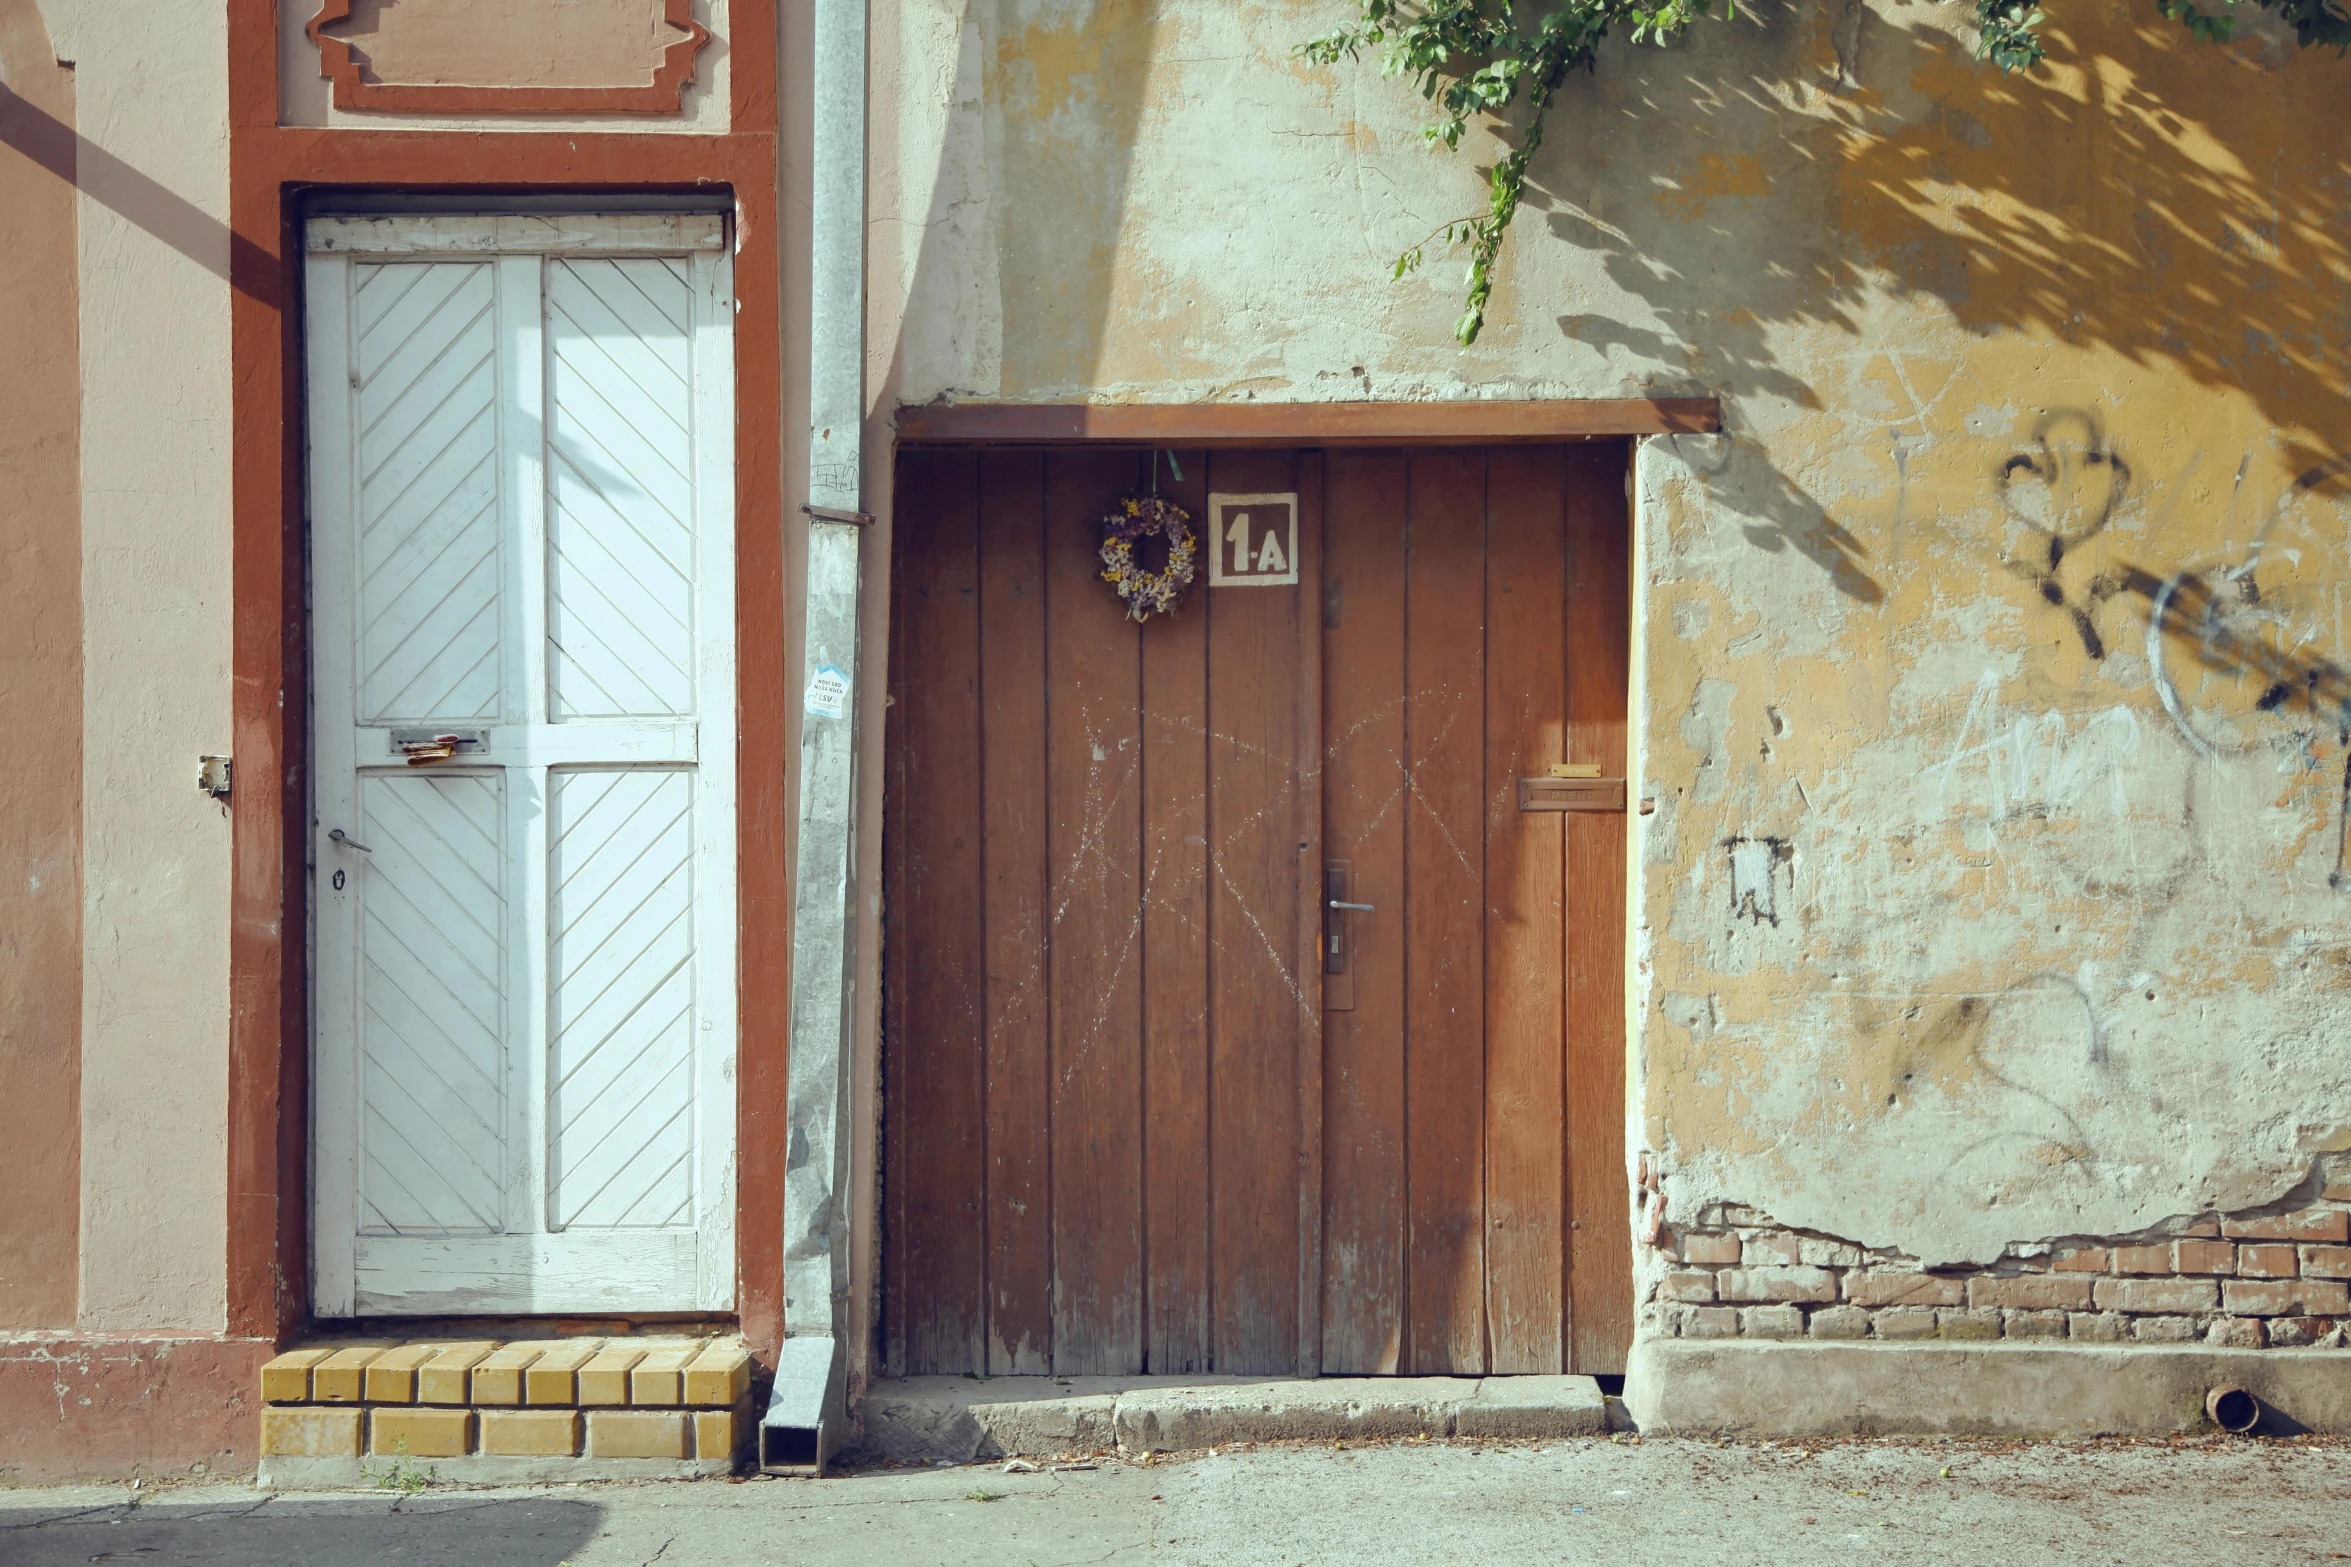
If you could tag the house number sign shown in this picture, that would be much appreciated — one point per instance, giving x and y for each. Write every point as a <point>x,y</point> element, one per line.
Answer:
<point>1252,540</point>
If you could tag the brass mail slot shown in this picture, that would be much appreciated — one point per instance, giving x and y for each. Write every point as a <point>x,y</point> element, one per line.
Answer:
<point>1571,794</point>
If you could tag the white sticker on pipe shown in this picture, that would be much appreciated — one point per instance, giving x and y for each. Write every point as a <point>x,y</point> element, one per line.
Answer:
<point>828,692</point>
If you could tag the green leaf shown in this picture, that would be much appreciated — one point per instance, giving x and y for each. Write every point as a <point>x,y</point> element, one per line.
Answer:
<point>1471,59</point>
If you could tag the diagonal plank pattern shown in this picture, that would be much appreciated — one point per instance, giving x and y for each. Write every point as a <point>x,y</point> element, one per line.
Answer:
<point>621,1004</point>
<point>620,454</point>
<point>525,978</point>
<point>432,1148</point>
<point>425,337</point>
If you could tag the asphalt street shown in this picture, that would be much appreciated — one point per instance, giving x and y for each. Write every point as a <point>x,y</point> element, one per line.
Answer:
<point>1674,1503</point>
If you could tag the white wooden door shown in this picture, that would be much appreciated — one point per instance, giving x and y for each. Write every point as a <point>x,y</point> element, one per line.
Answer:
<point>522,525</point>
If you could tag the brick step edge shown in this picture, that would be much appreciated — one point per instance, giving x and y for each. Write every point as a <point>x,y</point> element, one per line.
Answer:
<point>520,1374</point>
<point>365,1474</point>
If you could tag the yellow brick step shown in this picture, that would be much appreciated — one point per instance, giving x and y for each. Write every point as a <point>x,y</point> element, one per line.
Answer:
<point>401,1431</point>
<point>719,1377</point>
<point>424,1431</point>
<point>447,1378</point>
<point>554,1374</point>
<point>286,1380</point>
<point>391,1376</point>
<point>553,1378</point>
<point>531,1433</point>
<point>605,1379</point>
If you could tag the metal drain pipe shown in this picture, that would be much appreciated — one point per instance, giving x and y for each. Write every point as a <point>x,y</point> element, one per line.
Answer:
<point>805,1412</point>
<point>2233,1409</point>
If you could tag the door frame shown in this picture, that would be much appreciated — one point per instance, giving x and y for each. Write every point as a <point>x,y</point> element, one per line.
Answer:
<point>335,242</point>
<point>276,171</point>
<point>1306,427</point>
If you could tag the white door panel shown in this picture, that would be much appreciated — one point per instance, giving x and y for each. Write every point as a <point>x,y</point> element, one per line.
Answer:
<point>620,456</point>
<point>621,1014</point>
<point>425,407</point>
<point>522,527</point>
<point>432,942</point>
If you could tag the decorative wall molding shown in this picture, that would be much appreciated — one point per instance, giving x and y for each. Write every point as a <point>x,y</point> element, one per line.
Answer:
<point>664,94</point>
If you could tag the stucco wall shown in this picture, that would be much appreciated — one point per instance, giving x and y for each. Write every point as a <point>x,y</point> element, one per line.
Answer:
<point>151,108</point>
<point>1994,682</point>
<point>40,683</point>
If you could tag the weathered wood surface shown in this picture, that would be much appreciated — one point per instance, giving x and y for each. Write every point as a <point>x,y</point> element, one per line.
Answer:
<point>1185,1164</point>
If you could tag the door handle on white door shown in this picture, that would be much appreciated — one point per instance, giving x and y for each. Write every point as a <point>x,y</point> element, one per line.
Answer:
<point>348,842</point>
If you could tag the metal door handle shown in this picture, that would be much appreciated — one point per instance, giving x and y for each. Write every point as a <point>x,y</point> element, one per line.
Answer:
<point>1338,991</point>
<point>349,842</point>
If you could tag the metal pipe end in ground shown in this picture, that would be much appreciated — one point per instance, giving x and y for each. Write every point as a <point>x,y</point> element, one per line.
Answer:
<point>2233,1409</point>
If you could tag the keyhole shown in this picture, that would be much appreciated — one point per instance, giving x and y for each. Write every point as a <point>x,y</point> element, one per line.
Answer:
<point>338,881</point>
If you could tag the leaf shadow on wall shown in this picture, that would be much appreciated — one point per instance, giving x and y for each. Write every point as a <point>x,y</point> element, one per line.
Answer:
<point>2180,205</point>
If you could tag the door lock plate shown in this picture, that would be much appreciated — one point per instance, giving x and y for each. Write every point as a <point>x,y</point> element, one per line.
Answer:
<point>1338,941</point>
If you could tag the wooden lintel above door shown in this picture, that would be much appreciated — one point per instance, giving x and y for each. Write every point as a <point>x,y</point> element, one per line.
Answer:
<point>1466,423</point>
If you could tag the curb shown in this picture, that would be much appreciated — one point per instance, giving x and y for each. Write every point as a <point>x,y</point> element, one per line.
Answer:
<point>966,1419</point>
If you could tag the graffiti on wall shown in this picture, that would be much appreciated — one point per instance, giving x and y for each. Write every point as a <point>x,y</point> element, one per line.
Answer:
<point>2255,636</point>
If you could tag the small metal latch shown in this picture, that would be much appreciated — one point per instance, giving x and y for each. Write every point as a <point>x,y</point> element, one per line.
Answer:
<point>1360,908</point>
<point>212,776</point>
<point>422,747</point>
<point>838,514</point>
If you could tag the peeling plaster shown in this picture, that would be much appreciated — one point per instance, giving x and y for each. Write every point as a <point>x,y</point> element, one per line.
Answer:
<point>2013,599</point>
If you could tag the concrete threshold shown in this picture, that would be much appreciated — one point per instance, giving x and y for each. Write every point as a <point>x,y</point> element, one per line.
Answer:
<point>966,1419</point>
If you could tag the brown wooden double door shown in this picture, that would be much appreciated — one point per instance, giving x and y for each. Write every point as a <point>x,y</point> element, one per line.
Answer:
<point>1132,1124</point>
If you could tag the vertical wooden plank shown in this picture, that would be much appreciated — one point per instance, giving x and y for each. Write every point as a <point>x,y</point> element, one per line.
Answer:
<point>1599,652</point>
<point>1365,803</point>
<point>935,1052</point>
<point>1444,720</point>
<point>1306,939</point>
<point>1526,710</point>
<point>1255,989</point>
<point>1011,782</point>
<point>1175,960</point>
<point>1094,791</point>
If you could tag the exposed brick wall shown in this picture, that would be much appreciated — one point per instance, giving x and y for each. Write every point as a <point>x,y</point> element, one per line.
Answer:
<point>2244,1282</point>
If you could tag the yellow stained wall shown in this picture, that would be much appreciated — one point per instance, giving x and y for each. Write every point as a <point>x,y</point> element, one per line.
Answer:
<point>1994,660</point>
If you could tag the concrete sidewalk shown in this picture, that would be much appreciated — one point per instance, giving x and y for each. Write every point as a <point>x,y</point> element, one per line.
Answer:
<point>1613,1501</point>
<point>960,1419</point>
